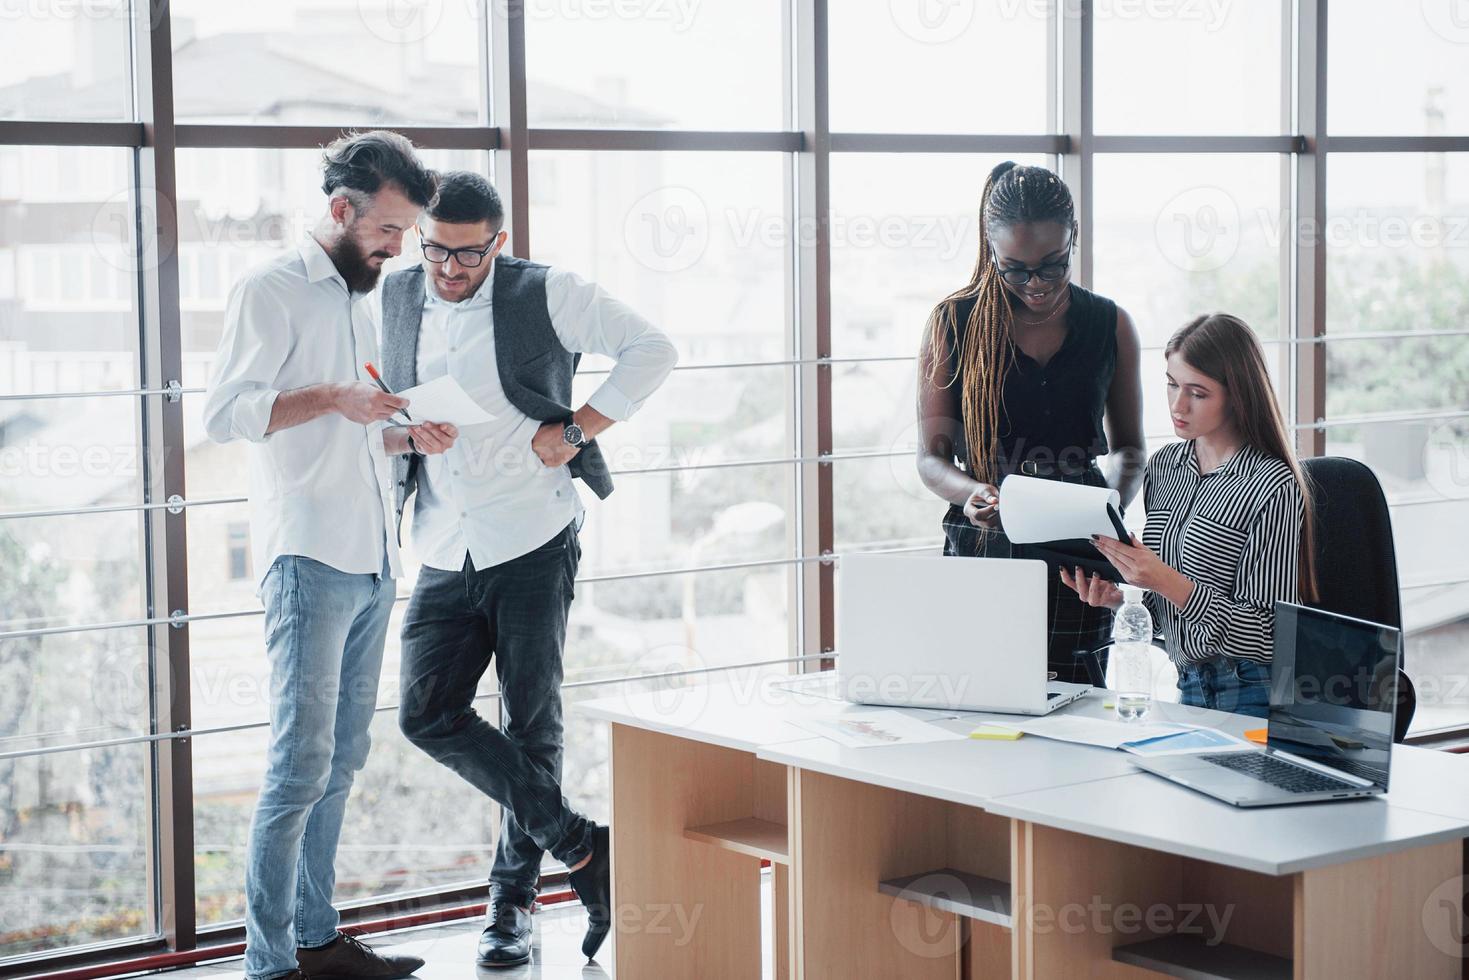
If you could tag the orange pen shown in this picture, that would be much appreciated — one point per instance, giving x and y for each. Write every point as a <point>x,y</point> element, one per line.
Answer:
<point>379,379</point>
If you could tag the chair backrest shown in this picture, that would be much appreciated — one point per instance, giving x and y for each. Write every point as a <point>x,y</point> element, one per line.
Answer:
<point>1356,564</point>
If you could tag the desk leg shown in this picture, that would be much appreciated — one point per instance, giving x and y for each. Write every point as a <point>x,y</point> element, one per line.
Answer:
<point>1366,918</point>
<point>681,908</point>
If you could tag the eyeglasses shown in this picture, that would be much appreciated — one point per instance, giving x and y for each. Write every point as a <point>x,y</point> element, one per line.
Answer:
<point>469,258</point>
<point>1020,275</point>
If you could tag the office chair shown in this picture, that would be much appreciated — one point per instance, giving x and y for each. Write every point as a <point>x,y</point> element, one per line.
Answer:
<point>1351,521</point>
<point>1356,564</point>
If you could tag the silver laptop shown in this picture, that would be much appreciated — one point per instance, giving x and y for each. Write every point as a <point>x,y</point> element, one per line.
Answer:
<point>924,631</point>
<point>1333,701</point>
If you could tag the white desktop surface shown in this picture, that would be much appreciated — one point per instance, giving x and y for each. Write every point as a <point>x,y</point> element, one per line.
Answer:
<point>1080,788</point>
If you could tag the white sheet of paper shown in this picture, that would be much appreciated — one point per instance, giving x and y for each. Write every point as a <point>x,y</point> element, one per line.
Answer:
<point>1034,510</point>
<point>871,728</point>
<point>1107,733</point>
<point>443,400</point>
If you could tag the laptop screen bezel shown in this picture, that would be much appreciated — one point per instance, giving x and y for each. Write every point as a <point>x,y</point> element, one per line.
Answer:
<point>1295,611</point>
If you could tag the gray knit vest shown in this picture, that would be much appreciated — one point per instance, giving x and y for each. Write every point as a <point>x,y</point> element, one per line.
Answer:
<point>535,369</point>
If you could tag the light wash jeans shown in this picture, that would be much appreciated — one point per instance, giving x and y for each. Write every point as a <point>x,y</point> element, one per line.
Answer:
<point>324,633</point>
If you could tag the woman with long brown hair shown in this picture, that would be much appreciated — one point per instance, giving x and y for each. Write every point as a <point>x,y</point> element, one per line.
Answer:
<point>1229,521</point>
<point>1023,371</point>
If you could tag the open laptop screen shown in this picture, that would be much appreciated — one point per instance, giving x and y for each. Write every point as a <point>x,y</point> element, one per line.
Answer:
<point>1334,690</point>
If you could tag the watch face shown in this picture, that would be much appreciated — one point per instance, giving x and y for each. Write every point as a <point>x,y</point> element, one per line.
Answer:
<point>573,435</point>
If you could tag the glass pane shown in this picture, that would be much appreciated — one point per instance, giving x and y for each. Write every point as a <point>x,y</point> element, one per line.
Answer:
<point>1397,239</point>
<point>655,64</point>
<point>1180,235</point>
<point>699,418</point>
<point>43,704</point>
<point>370,62</point>
<point>703,619</point>
<point>69,452</point>
<point>874,407</point>
<point>66,61</point>
<point>1401,374</point>
<point>1405,69</point>
<point>688,519</point>
<point>1424,470</point>
<point>75,862</point>
<point>904,235</point>
<point>1188,68</point>
<point>881,503</point>
<point>68,270</point>
<point>696,242</point>
<point>914,66</point>
<point>74,570</point>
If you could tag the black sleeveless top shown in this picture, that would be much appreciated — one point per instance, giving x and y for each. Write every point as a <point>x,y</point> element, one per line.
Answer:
<point>1051,416</point>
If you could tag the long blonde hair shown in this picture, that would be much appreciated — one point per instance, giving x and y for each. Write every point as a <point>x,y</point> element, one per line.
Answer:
<point>1012,195</point>
<point>1226,349</point>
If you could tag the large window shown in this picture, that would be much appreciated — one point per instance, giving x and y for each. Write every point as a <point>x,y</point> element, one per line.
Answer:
<point>675,153</point>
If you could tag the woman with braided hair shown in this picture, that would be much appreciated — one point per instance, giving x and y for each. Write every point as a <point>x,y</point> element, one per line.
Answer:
<point>1023,371</point>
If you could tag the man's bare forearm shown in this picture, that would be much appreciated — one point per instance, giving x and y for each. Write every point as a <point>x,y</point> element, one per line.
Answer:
<point>300,405</point>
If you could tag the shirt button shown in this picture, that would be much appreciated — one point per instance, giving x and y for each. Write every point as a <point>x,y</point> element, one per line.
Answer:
<point>456,472</point>
<point>464,513</point>
<point>453,350</point>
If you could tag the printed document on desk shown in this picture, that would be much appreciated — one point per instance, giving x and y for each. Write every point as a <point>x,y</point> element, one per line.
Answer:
<point>870,728</point>
<point>1104,732</point>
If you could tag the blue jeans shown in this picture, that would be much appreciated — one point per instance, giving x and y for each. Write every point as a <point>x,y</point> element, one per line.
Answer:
<point>1226,684</point>
<point>515,614</point>
<point>324,633</point>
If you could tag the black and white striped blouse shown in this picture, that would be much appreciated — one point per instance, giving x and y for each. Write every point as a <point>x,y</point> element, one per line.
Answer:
<point>1236,532</point>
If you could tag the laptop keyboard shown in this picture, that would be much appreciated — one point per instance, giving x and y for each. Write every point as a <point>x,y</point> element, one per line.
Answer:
<point>1291,778</point>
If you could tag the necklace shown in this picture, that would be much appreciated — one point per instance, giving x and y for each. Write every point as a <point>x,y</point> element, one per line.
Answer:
<point>1061,307</point>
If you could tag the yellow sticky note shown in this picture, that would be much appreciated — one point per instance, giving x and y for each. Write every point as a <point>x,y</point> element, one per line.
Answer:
<point>996,733</point>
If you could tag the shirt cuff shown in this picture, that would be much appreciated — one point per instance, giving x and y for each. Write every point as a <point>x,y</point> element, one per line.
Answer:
<point>250,415</point>
<point>1198,603</point>
<point>612,403</point>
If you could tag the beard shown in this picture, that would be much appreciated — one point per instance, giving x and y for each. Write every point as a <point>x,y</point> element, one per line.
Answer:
<point>352,263</point>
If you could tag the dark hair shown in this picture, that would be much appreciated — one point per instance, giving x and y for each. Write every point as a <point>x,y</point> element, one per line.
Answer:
<point>361,163</point>
<point>1013,195</point>
<point>1226,349</point>
<point>465,197</point>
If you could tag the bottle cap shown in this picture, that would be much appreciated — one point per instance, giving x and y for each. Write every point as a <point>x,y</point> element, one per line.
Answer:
<point>1132,593</point>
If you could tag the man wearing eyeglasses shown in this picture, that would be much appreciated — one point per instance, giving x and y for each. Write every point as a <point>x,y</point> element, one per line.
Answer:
<point>495,523</point>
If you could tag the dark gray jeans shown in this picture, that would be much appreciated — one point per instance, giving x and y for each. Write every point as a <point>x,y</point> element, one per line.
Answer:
<point>514,613</point>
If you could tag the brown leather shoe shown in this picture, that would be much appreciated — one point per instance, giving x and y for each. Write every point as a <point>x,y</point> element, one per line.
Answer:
<point>349,958</point>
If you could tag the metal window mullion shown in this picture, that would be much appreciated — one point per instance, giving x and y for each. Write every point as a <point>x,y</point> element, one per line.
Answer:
<point>508,97</point>
<point>164,535</point>
<point>1309,300</point>
<point>812,304</point>
<point>1075,43</point>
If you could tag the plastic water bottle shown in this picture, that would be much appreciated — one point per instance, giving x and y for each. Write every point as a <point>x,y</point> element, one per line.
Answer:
<point>1132,639</point>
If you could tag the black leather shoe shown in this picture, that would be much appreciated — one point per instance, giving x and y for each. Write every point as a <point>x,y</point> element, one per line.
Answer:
<point>506,938</point>
<point>349,958</point>
<point>592,883</point>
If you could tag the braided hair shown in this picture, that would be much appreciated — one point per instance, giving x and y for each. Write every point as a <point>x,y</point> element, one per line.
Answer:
<point>1012,195</point>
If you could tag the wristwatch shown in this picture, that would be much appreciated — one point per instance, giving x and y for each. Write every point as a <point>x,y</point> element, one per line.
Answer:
<point>573,435</point>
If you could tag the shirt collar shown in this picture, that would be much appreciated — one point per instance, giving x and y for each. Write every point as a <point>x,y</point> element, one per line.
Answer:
<point>1232,466</point>
<point>319,265</point>
<point>481,297</point>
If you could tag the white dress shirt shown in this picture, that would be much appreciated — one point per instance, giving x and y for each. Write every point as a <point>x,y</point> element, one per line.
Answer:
<point>489,496</point>
<point>322,489</point>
